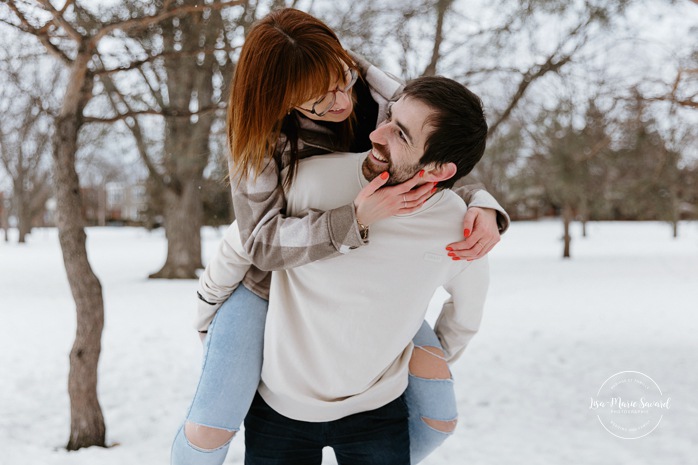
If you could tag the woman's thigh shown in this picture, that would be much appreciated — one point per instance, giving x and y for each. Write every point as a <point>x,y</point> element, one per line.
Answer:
<point>232,362</point>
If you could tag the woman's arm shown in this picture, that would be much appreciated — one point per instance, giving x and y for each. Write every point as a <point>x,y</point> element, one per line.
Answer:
<point>274,241</point>
<point>483,224</point>
<point>223,273</point>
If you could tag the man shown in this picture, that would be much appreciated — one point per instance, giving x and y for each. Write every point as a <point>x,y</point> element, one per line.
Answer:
<point>334,372</point>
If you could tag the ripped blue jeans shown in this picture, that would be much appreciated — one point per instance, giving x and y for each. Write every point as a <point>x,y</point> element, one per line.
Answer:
<point>230,374</point>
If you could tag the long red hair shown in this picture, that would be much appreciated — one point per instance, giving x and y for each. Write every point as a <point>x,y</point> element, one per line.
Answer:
<point>288,58</point>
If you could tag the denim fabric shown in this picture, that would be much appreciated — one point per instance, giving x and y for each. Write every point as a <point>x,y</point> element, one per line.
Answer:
<point>434,399</point>
<point>230,374</point>
<point>231,370</point>
<point>376,437</point>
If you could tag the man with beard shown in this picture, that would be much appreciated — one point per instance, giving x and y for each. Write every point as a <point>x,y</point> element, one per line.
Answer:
<point>338,347</point>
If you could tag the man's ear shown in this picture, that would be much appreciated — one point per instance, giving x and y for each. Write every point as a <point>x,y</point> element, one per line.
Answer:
<point>440,173</point>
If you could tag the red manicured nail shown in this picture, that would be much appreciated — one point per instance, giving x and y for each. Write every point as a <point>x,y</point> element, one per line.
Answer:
<point>384,175</point>
<point>451,254</point>
<point>450,249</point>
<point>421,173</point>
<point>433,190</point>
<point>466,232</point>
<point>455,258</point>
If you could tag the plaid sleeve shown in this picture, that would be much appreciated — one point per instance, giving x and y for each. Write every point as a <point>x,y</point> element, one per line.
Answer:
<point>274,241</point>
<point>475,195</point>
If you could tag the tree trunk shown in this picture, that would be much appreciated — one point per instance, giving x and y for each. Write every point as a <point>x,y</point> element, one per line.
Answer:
<point>23,226</point>
<point>86,420</point>
<point>183,216</point>
<point>442,7</point>
<point>187,143</point>
<point>675,215</point>
<point>584,214</point>
<point>566,220</point>
<point>4,222</point>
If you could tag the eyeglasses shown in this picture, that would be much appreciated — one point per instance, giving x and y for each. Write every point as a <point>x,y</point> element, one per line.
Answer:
<point>325,104</point>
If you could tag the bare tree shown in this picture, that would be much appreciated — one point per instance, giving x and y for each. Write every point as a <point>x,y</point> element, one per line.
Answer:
<point>24,142</point>
<point>191,77</point>
<point>4,223</point>
<point>566,162</point>
<point>73,35</point>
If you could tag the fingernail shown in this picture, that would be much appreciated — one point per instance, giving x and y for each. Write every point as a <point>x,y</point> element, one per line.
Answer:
<point>384,175</point>
<point>455,258</point>
<point>433,190</point>
<point>421,173</point>
<point>450,249</point>
<point>451,254</point>
<point>466,232</point>
<point>470,259</point>
<point>435,184</point>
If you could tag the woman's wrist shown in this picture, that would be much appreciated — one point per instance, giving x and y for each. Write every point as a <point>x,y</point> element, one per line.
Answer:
<point>363,227</point>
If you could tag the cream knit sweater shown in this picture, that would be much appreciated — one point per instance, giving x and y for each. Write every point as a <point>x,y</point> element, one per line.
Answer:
<point>339,331</point>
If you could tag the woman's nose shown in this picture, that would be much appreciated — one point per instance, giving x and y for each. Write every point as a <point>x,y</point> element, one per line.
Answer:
<point>341,100</point>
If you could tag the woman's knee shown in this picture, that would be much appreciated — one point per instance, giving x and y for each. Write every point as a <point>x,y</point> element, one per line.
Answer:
<point>429,362</point>
<point>205,437</point>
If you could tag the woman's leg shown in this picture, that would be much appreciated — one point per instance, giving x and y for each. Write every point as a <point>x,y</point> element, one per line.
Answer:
<point>230,374</point>
<point>430,397</point>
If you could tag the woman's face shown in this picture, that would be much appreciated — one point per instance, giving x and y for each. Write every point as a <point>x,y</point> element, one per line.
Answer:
<point>337,104</point>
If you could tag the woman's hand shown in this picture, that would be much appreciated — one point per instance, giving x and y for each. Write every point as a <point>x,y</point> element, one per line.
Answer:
<point>481,231</point>
<point>374,202</point>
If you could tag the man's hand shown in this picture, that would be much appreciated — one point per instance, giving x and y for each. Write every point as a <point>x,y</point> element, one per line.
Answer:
<point>481,233</point>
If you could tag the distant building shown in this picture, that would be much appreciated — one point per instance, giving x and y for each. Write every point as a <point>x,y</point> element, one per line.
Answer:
<point>112,203</point>
<point>125,203</point>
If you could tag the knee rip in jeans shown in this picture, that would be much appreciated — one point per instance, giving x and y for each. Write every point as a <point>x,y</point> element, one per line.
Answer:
<point>430,363</point>
<point>446,427</point>
<point>205,437</point>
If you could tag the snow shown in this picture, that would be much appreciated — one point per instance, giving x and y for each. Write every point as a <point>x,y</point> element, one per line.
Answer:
<point>554,331</point>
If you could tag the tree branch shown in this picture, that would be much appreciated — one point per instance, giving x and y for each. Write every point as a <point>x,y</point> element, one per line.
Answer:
<point>144,22</point>
<point>164,113</point>
<point>552,64</point>
<point>441,10</point>
<point>40,33</point>
<point>139,63</point>
<point>59,21</point>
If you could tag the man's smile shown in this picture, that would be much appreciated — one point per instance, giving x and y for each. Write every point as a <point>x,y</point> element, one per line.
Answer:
<point>377,157</point>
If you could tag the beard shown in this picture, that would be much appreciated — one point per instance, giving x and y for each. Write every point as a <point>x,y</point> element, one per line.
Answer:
<point>398,173</point>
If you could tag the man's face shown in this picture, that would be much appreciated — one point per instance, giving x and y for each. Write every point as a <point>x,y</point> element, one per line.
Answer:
<point>398,142</point>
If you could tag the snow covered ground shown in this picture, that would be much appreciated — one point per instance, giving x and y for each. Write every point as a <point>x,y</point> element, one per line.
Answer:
<point>554,331</point>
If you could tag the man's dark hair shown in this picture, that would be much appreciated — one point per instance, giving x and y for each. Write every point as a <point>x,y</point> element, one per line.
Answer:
<point>460,129</point>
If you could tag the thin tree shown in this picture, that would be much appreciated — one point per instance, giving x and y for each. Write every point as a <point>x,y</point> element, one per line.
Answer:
<point>72,35</point>
<point>24,141</point>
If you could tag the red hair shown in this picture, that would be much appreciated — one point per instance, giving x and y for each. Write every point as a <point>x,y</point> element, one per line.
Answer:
<point>288,58</point>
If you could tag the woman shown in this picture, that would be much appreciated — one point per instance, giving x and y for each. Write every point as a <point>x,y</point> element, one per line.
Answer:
<point>296,93</point>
